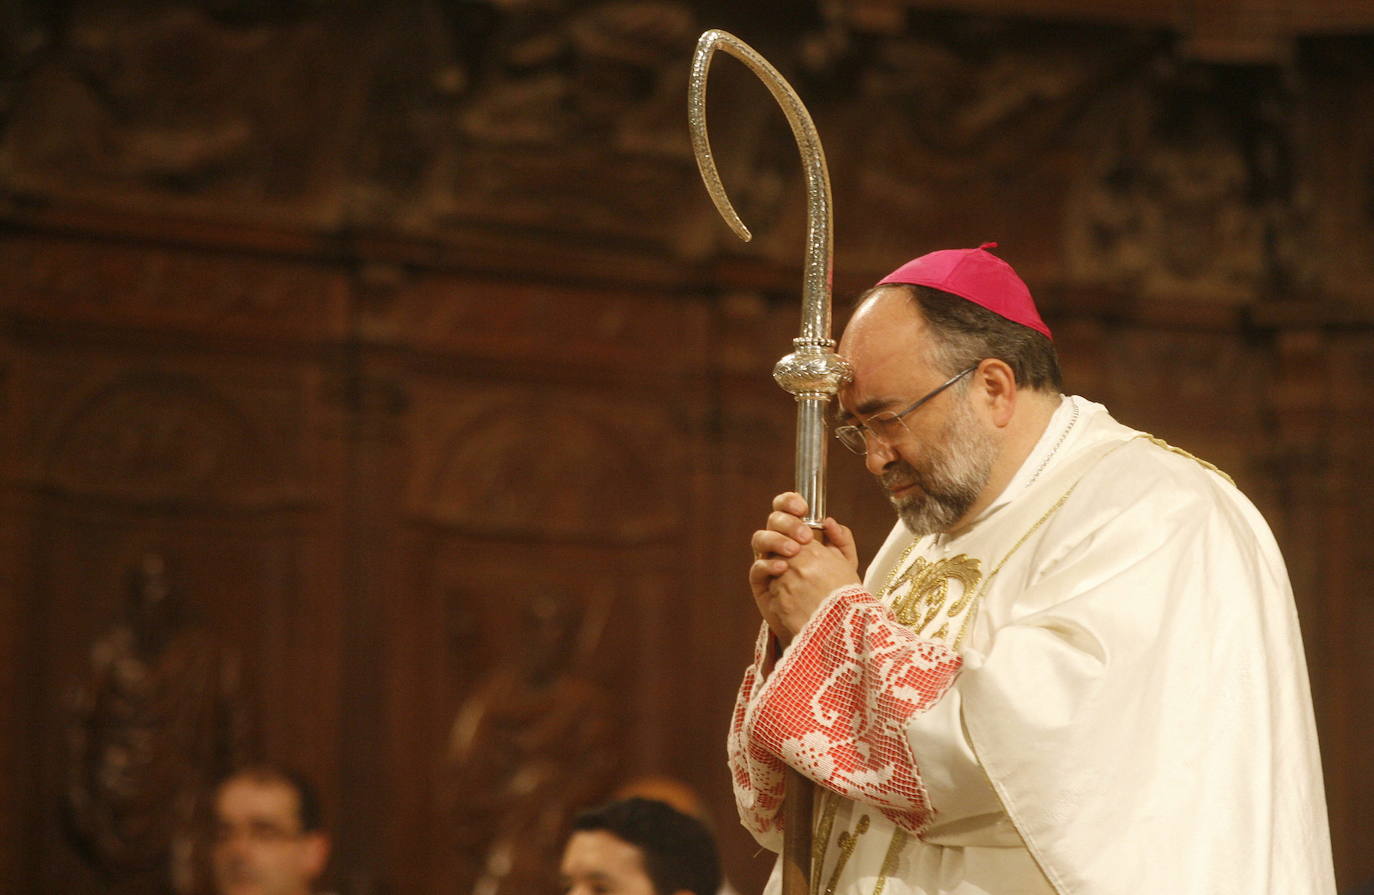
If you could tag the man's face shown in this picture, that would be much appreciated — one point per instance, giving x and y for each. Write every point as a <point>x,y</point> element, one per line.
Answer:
<point>936,467</point>
<point>596,861</point>
<point>259,847</point>
<point>933,489</point>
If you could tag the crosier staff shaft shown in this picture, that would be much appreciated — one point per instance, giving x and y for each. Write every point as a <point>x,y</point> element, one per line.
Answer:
<point>813,372</point>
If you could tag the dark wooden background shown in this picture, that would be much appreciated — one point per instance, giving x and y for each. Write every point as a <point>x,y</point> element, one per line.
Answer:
<point>381,394</point>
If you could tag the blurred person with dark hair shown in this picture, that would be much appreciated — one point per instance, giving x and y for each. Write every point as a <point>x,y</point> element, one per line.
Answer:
<point>677,794</point>
<point>269,836</point>
<point>639,847</point>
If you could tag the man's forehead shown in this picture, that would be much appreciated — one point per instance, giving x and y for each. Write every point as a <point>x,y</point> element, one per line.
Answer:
<point>884,343</point>
<point>886,309</point>
<point>601,851</point>
<point>884,329</point>
<point>245,795</point>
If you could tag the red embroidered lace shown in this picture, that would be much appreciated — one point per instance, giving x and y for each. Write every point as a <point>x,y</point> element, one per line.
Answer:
<point>836,708</point>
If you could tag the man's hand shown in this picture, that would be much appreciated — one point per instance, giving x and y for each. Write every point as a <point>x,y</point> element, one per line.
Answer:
<point>794,570</point>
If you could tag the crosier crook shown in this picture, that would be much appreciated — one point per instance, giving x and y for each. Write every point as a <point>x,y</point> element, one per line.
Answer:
<point>813,372</point>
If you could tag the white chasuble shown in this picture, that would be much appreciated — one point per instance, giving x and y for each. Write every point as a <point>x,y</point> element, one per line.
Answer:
<point>1097,687</point>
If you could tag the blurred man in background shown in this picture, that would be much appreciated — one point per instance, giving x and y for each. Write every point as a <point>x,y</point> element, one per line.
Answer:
<point>269,835</point>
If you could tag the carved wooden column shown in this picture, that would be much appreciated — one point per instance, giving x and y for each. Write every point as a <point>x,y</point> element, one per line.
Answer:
<point>14,690</point>
<point>1319,493</point>
<point>1344,699</point>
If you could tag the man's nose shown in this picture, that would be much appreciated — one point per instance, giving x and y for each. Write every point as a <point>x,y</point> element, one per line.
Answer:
<point>234,842</point>
<point>878,456</point>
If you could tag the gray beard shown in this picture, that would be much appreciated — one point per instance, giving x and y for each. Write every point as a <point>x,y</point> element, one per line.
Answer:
<point>950,477</point>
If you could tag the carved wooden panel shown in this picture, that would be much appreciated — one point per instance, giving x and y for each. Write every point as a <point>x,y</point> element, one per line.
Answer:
<point>1327,498</point>
<point>80,281</point>
<point>1336,212</point>
<point>177,613</point>
<point>543,644</point>
<point>141,718</point>
<point>539,464</point>
<point>524,723</point>
<point>522,488</point>
<point>185,105</point>
<point>1178,198</point>
<point>506,116</point>
<point>523,326</point>
<point>152,432</point>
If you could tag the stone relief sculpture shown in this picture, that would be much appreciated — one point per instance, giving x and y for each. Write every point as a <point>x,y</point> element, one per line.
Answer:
<point>159,718</point>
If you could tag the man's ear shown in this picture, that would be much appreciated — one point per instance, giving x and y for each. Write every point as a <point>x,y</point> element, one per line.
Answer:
<point>316,854</point>
<point>997,387</point>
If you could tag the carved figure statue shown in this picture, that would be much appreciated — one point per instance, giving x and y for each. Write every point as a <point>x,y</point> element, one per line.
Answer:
<point>532,743</point>
<point>158,720</point>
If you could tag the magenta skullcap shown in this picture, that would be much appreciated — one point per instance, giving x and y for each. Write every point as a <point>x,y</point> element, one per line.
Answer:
<point>977,275</point>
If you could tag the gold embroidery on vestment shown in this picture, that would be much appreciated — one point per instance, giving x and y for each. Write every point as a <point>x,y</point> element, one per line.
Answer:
<point>894,852</point>
<point>1160,442</point>
<point>897,568</point>
<point>847,843</point>
<point>925,599</point>
<point>820,837</point>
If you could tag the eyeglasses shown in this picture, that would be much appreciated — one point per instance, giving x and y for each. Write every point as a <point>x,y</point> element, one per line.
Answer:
<point>888,426</point>
<point>258,831</point>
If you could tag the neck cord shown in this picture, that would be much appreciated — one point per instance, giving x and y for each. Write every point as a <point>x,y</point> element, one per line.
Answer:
<point>1050,456</point>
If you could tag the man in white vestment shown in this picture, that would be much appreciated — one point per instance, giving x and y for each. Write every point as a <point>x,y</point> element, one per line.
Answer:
<point>1073,667</point>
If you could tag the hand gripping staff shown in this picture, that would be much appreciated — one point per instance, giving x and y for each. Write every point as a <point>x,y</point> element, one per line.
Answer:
<point>813,372</point>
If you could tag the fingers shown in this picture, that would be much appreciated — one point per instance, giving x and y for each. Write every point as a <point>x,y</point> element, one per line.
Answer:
<point>763,571</point>
<point>785,532</point>
<point>772,543</point>
<point>840,537</point>
<point>790,502</point>
<point>790,527</point>
<point>795,566</point>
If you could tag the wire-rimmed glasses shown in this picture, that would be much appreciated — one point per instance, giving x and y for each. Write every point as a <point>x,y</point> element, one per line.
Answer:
<point>888,426</point>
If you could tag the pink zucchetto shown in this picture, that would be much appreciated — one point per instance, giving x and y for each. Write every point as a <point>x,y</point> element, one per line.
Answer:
<point>977,275</point>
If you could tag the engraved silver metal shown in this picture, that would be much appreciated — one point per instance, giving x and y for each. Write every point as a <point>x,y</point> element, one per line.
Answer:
<point>813,372</point>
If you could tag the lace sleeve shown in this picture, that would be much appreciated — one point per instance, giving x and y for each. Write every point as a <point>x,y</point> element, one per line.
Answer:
<point>756,773</point>
<point>837,705</point>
